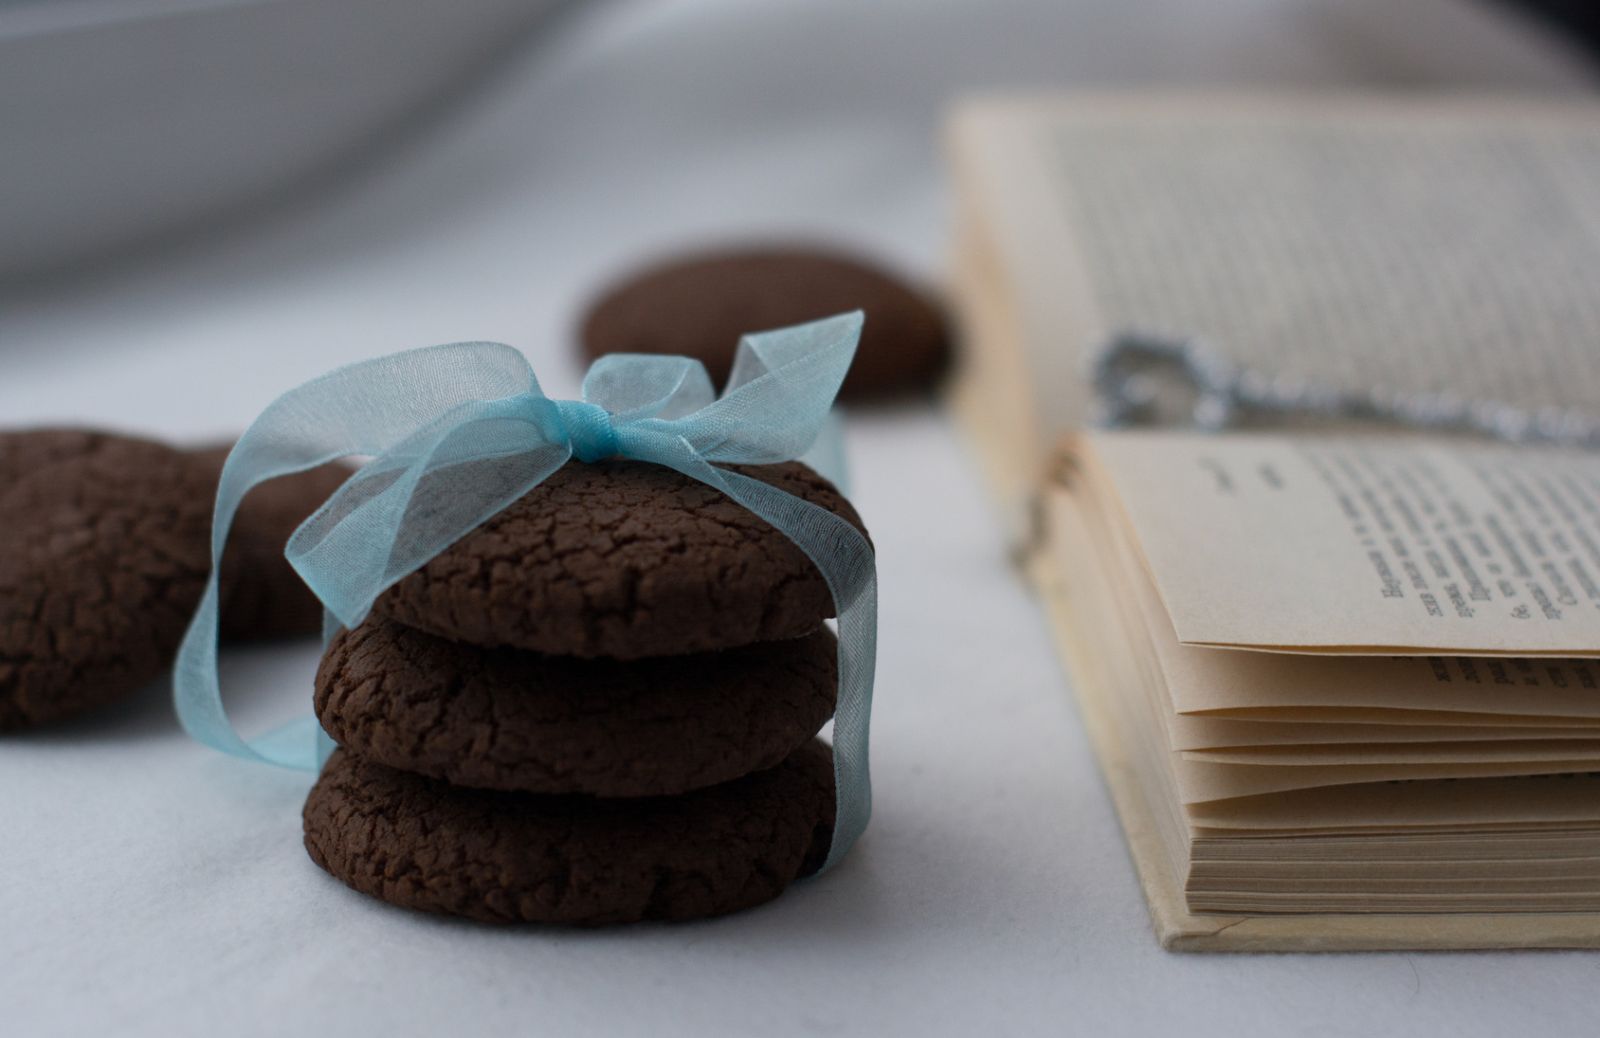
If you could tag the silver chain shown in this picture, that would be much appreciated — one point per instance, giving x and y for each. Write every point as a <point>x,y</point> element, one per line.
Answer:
<point>1129,372</point>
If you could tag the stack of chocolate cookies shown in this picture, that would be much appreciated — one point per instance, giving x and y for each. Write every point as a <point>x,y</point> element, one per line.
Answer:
<point>600,706</point>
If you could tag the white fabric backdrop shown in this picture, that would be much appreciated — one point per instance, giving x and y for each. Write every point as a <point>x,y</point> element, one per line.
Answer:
<point>153,887</point>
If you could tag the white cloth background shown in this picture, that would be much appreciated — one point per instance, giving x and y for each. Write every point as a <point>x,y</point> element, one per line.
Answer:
<point>150,886</point>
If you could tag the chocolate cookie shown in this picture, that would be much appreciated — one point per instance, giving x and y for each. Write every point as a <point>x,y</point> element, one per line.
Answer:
<point>105,559</point>
<point>627,560</point>
<point>508,719</point>
<point>26,450</point>
<point>108,554</point>
<point>699,306</point>
<point>520,857</point>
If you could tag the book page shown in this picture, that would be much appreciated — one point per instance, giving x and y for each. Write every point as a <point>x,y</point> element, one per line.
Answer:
<point>1315,694</point>
<point>1367,545</point>
<point>1209,732</point>
<point>1402,245</point>
<point>1553,801</point>
<point>1184,674</point>
<point>1406,753</point>
<point>1200,781</point>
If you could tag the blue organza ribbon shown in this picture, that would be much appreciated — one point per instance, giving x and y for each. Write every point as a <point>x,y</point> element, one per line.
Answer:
<point>456,433</point>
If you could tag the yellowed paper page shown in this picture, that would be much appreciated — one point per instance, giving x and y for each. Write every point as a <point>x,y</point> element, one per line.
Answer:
<point>1201,732</point>
<point>1302,688</point>
<point>1429,718</point>
<point>1365,545</point>
<point>1404,753</point>
<point>1498,852</point>
<point>1199,782</point>
<point>1369,688</point>
<point>1461,805</point>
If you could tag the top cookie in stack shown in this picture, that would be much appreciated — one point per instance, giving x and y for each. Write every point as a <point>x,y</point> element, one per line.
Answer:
<point>599,706</point>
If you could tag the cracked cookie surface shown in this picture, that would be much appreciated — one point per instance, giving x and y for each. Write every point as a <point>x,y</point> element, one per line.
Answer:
<point>626,560</point>
<point>422,844</point>
<point>107,556</point>
<point>699,305</point>
<point>511,719</point>
<point>106,560</point>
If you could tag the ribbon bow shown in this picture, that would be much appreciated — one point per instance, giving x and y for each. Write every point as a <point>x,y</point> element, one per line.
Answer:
<point>458,432</point>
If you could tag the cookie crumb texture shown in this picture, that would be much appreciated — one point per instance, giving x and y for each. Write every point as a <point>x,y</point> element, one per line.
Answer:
<point>515,720</point>
<point>626,560</point>
<point>700,304</point>
<point>105,560</point>
<point>515,857</point>
<point>107,554</point>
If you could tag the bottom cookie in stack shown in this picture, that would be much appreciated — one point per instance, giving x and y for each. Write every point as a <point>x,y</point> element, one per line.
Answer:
<point>511,786</point>
<point>579,860</point>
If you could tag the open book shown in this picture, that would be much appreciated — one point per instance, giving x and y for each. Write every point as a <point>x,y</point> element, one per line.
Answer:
<point>1344,684</point>
<point>1396,245</point>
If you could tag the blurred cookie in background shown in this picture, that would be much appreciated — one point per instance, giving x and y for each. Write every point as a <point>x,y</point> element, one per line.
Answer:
<point>699,304</point>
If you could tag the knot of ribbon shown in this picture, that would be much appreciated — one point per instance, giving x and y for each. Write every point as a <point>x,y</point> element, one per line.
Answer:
<point>589,430</point>
<point>456,433</point>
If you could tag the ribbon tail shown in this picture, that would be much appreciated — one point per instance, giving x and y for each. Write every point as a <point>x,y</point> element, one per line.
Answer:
<point>196,689</point>
<point>826,455</point>
<point>845,559</point>
<point>197,693</point>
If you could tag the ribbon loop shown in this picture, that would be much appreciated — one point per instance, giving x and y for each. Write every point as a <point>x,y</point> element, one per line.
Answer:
<point>640,385</point>
<point>456,433</point>
<point>770,412</point>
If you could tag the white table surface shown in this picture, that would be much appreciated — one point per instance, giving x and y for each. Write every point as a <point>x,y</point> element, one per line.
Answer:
<point>151,886</point>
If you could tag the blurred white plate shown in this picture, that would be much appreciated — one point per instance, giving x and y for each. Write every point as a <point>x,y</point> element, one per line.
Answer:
<point>124,119</point>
